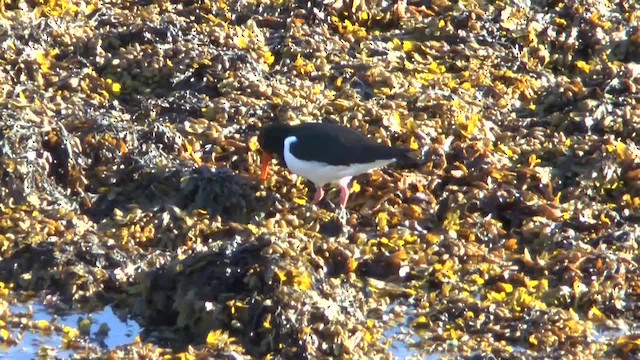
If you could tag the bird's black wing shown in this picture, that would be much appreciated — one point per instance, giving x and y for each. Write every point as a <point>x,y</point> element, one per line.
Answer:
<point>338,145</point>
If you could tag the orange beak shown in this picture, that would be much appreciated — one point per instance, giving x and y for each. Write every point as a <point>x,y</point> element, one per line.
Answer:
<point>266,158</point>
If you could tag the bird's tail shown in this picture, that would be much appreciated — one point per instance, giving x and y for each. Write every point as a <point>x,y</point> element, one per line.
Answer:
<point>408,161</point>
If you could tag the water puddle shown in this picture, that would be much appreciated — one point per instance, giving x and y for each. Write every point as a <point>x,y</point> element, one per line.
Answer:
<point>120,332</point>
<point>402,338</point>
<point>406,343</point>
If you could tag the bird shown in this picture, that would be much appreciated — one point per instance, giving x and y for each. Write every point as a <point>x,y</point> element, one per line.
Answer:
<point>327,153</point>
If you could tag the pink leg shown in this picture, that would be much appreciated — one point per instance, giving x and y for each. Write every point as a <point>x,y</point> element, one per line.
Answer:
<point>344,191</point>
<point>318,196</point>
<point>344,195</point>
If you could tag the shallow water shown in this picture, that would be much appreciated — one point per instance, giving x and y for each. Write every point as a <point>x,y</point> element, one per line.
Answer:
<point>120,333</point>
<point>405,344</point>
<point>400,349</point>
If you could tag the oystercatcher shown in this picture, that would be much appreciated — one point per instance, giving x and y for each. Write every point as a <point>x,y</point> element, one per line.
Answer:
<point>327,153</point>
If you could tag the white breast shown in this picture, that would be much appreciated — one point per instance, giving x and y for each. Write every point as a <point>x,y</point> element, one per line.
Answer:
<point>321,173</point>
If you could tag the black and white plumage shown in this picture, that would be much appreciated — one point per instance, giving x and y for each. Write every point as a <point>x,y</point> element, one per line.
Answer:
<point>327,153</point>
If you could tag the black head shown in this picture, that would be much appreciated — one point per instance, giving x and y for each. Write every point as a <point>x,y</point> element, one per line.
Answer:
<point>271,139</point>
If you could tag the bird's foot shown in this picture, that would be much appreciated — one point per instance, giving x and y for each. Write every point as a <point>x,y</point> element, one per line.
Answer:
<point>314,208</point>
<point>344,196</point>
<point>343,215</point>
<point>325,204</point>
